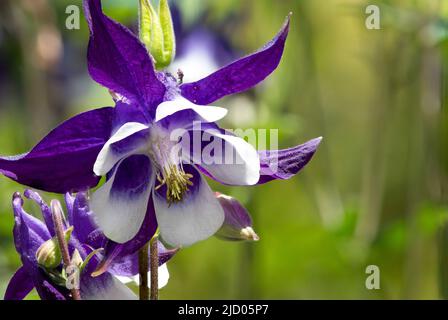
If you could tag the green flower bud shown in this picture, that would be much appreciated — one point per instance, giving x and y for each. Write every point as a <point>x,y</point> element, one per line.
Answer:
<point>157,32</point>
<point>49,255</point>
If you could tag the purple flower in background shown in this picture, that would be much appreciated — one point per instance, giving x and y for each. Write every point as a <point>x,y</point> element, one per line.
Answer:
<point>147,184</point>
<point>199,54</point>
<point>30,234</point>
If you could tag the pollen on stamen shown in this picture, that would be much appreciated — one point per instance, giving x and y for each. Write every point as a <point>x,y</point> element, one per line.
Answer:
<point>177,183</point>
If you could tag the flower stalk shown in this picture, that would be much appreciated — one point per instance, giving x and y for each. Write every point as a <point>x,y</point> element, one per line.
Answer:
<point>143,272</point>
<point>154,265</point>
<point>56,212</point>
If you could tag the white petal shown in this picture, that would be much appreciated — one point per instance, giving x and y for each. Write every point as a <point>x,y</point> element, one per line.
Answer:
<point>163,277</point>
<point>106,287</point>
<point>234,162</point>
<point>127,280</point>
<point>120,213</point>
<point>107,158</point>
<point>208,113</point>
<point>197,217</point>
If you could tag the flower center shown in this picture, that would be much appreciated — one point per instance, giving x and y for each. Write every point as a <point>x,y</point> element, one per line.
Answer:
<point>170,172</point>
<point>177,182</point>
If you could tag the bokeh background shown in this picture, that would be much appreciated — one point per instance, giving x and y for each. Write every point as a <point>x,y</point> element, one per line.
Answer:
<point>375,192</point>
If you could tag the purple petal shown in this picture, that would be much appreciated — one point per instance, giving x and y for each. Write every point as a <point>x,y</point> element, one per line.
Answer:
<point>239,75</point>
<point>19,286</point>
<point>69,201</point>
<point>181,110</point>
<point>129,139</point>
<point>63,160</point>
<point>85,229</point>
<point>104,287</point>
<point>237,222</point>
<point>128,266</point>
<point>197,217</point>
<point>221,155</point>
<point>117,251</point>
<point>48,291</point>
<point>29,234</point>
<point>127,112</point>
<point>120,205</point>
<point>119,61</point>
<point>284,164</point>
<point>46,212</point>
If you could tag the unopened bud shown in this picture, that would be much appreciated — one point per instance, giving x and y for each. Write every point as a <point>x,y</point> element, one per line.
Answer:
<point>237,224</point>
<point>157,32</point>
<point>49,255</point>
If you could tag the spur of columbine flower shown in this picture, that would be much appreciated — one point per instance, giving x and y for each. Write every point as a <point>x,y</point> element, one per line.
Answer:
<point>130,144</point>
<point>41,258</point>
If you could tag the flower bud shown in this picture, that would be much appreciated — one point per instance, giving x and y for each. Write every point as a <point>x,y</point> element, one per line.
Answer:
<point>237,224</point>
<point>49,255</point>
<point>157,32</point>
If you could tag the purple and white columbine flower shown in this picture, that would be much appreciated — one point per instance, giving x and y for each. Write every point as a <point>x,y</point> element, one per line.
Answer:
<point>130,144</point>
<point>30,234</point>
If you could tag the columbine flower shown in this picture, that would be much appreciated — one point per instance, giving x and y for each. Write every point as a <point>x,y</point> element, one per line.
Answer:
<point>33,240</point>
<point>130,144</point>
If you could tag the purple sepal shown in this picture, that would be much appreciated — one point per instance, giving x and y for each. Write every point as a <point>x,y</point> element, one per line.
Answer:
<point>284,164</point>
<point>19,286</point>
<point>237,224</point>
<point>128,266</point>
<point>44,208</point>
<point>119,61</point>
<point>240,75</point>
<point>63,160</point>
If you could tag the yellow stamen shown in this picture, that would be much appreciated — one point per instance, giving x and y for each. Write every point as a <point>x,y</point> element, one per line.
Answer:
<point>177,183</point>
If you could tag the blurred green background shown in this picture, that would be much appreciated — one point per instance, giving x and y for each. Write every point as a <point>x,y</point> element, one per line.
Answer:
<point>375,192</point>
